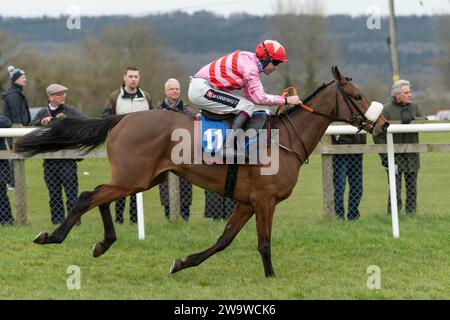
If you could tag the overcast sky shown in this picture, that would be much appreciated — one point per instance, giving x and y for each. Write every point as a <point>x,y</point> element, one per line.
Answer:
<point>29,8</point>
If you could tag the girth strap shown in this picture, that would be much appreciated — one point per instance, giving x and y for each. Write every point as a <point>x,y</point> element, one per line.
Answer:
<point>230,183</point>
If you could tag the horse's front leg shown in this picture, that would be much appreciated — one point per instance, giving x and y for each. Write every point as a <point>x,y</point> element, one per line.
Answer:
<point>237,220</point>
<point>264,211</point>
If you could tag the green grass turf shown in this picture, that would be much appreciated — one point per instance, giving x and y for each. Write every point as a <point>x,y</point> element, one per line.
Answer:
<point>313,258</point>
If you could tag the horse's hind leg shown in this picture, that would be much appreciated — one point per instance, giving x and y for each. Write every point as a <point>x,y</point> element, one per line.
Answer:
<point>237,220</point>
<point>103,194</point>
<point>110,233</point>
<point>60,233</point>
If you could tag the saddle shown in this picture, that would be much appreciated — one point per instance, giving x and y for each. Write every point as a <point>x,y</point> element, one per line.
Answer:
<point>257,121</point>
<point>211,134</point>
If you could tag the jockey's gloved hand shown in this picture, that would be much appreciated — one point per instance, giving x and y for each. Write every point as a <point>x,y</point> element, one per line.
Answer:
<point>293,100</point>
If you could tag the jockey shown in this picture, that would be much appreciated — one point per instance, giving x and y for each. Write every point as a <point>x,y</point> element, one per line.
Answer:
<point>211,87</point>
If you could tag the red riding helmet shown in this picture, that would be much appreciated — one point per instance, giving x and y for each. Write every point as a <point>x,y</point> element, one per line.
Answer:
<point>271,50</point>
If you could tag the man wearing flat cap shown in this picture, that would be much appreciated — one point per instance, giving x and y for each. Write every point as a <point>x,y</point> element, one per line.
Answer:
<point>59,173</point>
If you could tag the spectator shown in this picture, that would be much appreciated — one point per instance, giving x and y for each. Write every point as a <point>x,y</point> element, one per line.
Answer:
<point>406,164</point>
<point>59,173</point>
<point>218,207</point>
<point>173,102</point>
<point>6,216</point>
<point>348,167</point>
<point>128,98</point>
<point>15,107</point>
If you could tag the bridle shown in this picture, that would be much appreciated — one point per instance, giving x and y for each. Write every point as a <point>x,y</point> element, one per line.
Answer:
<point>355,115</point>
<point>349,102</point>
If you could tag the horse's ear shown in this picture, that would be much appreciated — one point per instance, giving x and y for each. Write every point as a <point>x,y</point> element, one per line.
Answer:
<point>337,75</point>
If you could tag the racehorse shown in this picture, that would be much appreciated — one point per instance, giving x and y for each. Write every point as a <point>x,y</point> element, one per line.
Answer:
<point>139,153</point>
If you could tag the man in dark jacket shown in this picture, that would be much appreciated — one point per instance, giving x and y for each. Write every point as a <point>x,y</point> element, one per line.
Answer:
<point>15,102</point>
<point>15,106</point>
<point>348,167</point>
<point>6,216</point>
<point>59,173</point>
<point>407,164</point>
<point>173,102</point>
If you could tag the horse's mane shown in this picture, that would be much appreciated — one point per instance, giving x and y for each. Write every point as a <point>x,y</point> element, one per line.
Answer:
<point>308,98</point>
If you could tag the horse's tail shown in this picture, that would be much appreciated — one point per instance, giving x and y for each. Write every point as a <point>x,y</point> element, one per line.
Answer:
<point>67,133</point>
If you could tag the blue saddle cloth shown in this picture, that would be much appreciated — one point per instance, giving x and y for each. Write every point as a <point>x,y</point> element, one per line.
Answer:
<point>214,133</point>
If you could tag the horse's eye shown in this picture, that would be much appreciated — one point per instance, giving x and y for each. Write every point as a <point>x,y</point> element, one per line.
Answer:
<point>358,97</point>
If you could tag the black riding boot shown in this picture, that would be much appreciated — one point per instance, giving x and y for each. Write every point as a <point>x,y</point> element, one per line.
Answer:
<point>238,123</point>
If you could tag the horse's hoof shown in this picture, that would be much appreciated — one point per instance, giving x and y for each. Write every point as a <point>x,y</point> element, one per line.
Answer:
<point>176,266</point>
<point>97,250</point>
<point>41,238</point>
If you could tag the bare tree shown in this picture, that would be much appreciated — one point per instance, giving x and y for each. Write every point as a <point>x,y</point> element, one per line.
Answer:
<point>311,50</point>
<point>93,69</point>
<point>26,57</point>
<point>107,56</point>
<point>443,62</point>
<point>375,87</point>
<point>9,50</point>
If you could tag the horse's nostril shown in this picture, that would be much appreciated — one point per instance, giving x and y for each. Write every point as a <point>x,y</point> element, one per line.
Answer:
<point>385,126</point>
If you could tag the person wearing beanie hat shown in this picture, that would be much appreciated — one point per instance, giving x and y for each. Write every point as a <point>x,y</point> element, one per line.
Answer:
<point>15,106</point>
<point>16,73</point>
<point>15,102</point>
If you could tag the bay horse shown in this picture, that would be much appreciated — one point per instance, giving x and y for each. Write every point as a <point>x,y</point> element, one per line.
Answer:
<point>139,153</point>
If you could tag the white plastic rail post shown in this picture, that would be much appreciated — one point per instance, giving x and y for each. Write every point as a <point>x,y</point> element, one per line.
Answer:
<point>140,215</point>
<point>392,186</point>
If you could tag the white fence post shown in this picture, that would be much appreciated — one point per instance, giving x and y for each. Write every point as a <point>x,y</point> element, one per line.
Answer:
<point>140,215</point>
<point>392,184</point>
